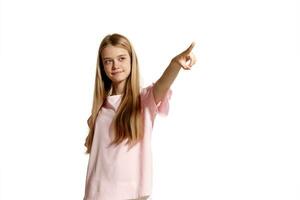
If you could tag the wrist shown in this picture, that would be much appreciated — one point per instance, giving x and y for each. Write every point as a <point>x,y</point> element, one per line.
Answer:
<point>175,63</point>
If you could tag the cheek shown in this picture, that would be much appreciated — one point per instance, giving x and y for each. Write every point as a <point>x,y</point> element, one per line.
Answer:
<point>106,67</point>
<point>106,70</point>
<point>128,66</point>
<point>128,69</point>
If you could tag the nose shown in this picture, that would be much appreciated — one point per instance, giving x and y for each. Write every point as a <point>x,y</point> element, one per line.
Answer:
<point>115,64</point>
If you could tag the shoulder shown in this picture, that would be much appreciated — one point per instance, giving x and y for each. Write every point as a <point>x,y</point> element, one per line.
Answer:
<point>148,101</point>
<point>146,92</point>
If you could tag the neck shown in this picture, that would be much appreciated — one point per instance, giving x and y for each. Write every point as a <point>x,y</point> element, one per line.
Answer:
<point>118,88</point>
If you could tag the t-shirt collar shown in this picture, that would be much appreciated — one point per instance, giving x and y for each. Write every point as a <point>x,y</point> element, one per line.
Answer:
<point>114,101</point>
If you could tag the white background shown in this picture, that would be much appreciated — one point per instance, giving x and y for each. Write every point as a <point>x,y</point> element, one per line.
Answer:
<point>233,130</point>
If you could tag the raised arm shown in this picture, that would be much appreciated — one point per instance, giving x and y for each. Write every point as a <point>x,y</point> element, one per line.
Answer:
<point>184,60</point>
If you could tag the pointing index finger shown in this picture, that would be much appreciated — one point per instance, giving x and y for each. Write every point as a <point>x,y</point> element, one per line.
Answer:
<point>190,47</point>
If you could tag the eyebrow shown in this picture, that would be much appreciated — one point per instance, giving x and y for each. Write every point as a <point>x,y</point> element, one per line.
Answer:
<point>117,56</point>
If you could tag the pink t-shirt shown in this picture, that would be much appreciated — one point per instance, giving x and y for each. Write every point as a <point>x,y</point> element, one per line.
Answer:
<point>114,173</point>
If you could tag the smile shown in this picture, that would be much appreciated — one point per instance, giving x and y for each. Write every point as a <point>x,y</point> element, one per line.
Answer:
<point>114,73</point>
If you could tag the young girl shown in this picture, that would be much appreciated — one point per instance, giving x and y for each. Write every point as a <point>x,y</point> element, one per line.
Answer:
<point>122,119</point>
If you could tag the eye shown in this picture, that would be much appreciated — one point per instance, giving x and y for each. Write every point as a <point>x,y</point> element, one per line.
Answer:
<point>122,58</point>
<point>106,62</point>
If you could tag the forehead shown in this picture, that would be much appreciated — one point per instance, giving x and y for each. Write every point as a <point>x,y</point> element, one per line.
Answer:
<point>113,51</point>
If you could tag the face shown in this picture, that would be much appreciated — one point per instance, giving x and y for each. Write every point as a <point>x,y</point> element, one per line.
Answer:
<point>116,62</point>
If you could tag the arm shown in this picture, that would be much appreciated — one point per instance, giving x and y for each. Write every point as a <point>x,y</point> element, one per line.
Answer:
<point>184,60</point>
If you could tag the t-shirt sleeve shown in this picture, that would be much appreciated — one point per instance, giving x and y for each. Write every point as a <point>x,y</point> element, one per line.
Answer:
<point>161,108</point>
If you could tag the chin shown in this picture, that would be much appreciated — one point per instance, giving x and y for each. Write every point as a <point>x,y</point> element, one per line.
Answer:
<point>117,80</point>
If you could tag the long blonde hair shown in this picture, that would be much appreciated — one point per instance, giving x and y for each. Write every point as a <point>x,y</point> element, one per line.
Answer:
<point>128,119</point>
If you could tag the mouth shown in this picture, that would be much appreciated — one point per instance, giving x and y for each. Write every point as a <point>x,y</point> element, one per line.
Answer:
<point>114,73</point>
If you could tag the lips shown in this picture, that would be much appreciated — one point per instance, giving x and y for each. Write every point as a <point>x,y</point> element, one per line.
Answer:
<point>117,72</point>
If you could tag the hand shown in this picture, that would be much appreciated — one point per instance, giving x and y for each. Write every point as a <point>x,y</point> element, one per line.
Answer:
<point>186,59</point>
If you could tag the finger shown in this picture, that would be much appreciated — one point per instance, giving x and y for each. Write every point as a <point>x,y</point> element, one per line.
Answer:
<point>190,48</point>
<point>185,66</point>
<point>188,65</point>
<point>193,59</point>
<point>190,60</point>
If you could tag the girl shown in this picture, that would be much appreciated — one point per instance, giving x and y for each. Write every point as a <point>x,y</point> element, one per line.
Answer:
<point>121,122</point>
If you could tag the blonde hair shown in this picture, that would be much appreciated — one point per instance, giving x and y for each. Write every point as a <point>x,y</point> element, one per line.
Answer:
<point>127,122</point>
